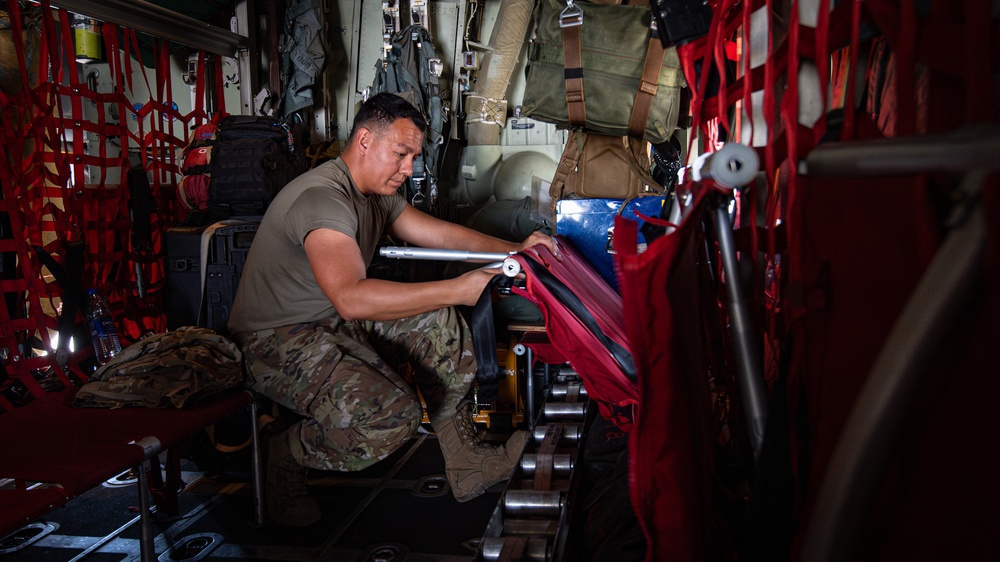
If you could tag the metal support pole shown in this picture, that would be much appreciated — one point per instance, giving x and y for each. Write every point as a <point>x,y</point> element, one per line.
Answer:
<point>161,22</point>
<point>946,291</point>
<point>969,148</point>
<point>749,374</point>
<point>248,68</point>
<point>256,470</point>
<point>148,553</point>
<point>524,352</point>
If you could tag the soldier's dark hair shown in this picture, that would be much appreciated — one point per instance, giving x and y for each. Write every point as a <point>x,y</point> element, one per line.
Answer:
<point>381,110</point>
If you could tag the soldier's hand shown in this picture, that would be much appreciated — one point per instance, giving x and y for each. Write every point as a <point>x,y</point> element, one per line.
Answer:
<point>472,284</point>
<point>537,237</point>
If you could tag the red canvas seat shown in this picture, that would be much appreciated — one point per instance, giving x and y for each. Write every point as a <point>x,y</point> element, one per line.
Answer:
<point>76,449</point>
<point>584,322</point>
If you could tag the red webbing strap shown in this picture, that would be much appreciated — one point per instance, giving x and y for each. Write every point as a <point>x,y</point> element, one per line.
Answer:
<point>60,221</point>
<point>115,68</point>
<point>14,12</point>
<point>157,115</point>
<point>131,38</point>
<point>76,105</point>
<point>770,163</point>
<point>821,55</point>
<point>220,110</point>
<point>648,84</point>
<point>173,144</point>
<point>850,112</point>
<point>573,69</point>
<point>789,110</point>
<point>127,59</point>
<point>688,53</point>
<point>747,78</point>
<point>719,56</point>
<point>25,115</point>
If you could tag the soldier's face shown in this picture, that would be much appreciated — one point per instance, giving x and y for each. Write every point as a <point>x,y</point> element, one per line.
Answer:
<point>389,156</point>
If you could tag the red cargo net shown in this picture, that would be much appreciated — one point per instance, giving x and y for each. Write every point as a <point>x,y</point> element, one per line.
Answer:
<point>65,191</point>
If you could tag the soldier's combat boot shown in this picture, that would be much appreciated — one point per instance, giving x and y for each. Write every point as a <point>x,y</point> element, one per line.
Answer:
<point>470,465</point>
<point>288,502</point>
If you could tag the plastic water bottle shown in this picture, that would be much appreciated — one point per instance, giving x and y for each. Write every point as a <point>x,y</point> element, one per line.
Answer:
<point>102,327</point>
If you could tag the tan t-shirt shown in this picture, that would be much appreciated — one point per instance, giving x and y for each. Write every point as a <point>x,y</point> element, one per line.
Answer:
<point>277,287</point>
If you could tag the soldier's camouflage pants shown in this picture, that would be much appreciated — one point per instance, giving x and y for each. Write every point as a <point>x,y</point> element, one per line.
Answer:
<point>341,375</point>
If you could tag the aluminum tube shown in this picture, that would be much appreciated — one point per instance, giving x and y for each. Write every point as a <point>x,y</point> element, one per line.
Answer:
<point>966,149</point>
<point>401,252</point>
<point>160,22</point>
<point>562,464</point>
<point>751,379</point>
<point>564,411</point>
<point>534,550</point>
<point>532,503</point>
<point>942,297</point>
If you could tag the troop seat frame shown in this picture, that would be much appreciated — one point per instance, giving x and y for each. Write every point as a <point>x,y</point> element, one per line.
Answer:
<point>54,451</point>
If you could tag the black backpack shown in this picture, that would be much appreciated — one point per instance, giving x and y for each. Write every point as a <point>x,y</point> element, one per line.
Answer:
<point>253,158</point>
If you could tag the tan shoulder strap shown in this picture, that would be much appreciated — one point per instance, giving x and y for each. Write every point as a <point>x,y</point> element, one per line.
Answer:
<point>571,20</point>
<point>648,84</point>
<point>568,163</point>
<point>636,152</point>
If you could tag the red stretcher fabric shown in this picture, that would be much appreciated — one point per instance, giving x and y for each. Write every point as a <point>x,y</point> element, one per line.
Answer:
<point>847,293</point>
<point>670,447</point>
<point>78,448</point>
<point>603,374</point>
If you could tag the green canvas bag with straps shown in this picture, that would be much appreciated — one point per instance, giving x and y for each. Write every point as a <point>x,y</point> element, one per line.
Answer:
<point>598,66</point>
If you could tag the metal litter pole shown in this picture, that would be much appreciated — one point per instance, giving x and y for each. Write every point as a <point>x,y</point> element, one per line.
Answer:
<point>525,352</point>
<point>438,254</point>
<point>256,468</point>
<point>750,375</point>
<point>731,166</point>
<point>947,288</point>
<point>148,554</point>
<point>510,266</point>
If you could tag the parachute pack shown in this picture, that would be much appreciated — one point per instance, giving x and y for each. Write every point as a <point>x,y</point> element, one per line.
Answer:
<point>411,68</point>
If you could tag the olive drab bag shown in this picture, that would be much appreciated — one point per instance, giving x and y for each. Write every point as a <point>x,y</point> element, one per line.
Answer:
<point>165,370</point>
<point>602,67</point>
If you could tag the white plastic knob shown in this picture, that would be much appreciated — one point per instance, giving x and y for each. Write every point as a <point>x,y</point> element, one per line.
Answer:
<point>511,267</point>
